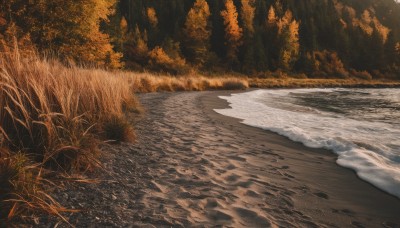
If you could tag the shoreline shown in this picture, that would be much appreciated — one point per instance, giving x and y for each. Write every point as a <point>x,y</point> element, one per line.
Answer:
<point>362,197</point>
<point>192,166</point>
<point>296,83</point>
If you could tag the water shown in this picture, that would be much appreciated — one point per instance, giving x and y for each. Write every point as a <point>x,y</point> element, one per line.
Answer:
<point>362,126</point>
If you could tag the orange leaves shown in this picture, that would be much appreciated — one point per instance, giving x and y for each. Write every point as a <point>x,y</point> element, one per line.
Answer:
<point>248,10</point>
<point>197,32</point>
<point>196,25</point>
<point>288,33</point>
<point>233,33</point>
<point>152,16</point>
<point>271,18</point>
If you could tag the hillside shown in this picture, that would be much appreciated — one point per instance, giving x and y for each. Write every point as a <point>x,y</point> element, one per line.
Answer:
<point>313,38</point>
<point>319,38</point>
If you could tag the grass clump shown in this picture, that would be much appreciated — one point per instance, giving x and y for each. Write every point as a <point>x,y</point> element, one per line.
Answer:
<point>21,193</point>
<point>118,129</point>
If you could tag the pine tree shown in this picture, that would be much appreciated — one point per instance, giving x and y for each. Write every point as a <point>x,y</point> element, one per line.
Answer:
<point>247,16</point>
<point>271,18</point>
<point>123,26</point>
<point>288,31</point>
<point>197,32</point>
<point>233,33</point>
<point>152,16</point>
<point>136,48</point>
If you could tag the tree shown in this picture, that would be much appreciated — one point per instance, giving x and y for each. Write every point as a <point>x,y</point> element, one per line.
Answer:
<point>72,31</point>
<point>288,32</point>
<point>152,16</point>
<point>271,18</point>
<point>247,16</point>
<point>197,32</point>
<point>233,33</point>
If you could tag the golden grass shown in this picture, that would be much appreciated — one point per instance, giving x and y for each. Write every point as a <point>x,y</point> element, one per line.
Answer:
<point>21,194</point>
<point>51,116</point>
<point>146,82</point>
<point>47,107</point>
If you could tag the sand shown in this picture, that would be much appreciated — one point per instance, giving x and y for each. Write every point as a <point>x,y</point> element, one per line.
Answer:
<point>194,167</point>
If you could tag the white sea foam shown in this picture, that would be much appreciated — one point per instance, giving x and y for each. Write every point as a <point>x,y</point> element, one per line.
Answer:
<point>371,148</point>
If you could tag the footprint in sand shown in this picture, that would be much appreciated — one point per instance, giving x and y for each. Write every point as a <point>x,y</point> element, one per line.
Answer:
<point>252,193</point>
<point>357,224</point>
<point>321,195</point>
<point>232,178</point>
<point>252,217</point>
<point>219,216</point>
<point>237,158</point>
<point>212,203</point>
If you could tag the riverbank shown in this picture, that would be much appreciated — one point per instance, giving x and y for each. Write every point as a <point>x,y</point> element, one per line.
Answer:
<point>192,166</point>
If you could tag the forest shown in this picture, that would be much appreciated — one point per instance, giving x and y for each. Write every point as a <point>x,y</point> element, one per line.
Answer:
<point>310,38</point>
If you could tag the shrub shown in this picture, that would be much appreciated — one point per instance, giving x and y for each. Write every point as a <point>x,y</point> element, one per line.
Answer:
<point>327,64</point>
<point>160,61</point>
<point>234,85</point>
<point>21,190</point>
<point>119,130</point>
<point>361,74</point>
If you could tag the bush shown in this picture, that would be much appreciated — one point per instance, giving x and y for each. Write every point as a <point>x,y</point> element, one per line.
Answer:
<point>327,64</point>
<point>162,62</point>
<point>361,74</point>
<point>118,129</point>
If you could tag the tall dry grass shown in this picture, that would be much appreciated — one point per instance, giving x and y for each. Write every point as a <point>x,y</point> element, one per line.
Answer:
<point>49,109</point>
<point>51,117</point>
<point>146,82</point>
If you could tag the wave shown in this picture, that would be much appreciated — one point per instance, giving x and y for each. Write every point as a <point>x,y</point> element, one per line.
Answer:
<point>371,148</point>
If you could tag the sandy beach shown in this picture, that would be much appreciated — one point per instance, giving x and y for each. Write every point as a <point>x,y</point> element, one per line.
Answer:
<point>194,167</point>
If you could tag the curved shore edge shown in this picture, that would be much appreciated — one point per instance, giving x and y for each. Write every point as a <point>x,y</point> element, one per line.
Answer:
<point>194,167</point>
<point>370,165</point>
<point>344,188</point>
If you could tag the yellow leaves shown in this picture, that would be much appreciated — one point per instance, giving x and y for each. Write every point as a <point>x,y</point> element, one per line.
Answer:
<point>161,60</point>
<point>382,30</point>
<point>197,32</point>
<point>285,21</point>
<point>159,55</point>
<point>123,24</point>
<point>233,33</point>
<point>248,10</point>
<point>271,18</point>
<point>196,25</point>
<point>370,23</point>
<point>288,34</point>
<point>152,16</point>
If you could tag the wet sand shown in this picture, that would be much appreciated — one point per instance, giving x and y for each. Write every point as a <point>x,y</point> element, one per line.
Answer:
<point>194,167</point>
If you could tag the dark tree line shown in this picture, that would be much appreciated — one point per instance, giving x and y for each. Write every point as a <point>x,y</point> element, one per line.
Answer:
<point>336,38</point>
<point>320,38</point>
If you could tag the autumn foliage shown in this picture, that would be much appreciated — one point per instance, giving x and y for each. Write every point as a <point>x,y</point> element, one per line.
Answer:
<point>233,33</point>
<point>72,32</point>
